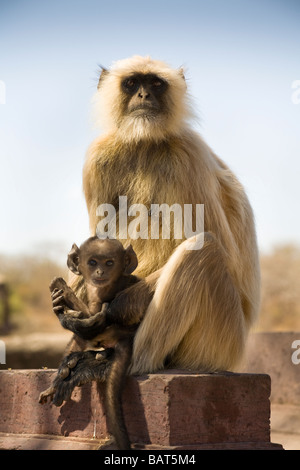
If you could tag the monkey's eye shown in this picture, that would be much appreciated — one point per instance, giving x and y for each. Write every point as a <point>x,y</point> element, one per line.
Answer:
<point>158,84</point>
<point>130,85</point>
<point>92,262</point>
<point>109,262</point>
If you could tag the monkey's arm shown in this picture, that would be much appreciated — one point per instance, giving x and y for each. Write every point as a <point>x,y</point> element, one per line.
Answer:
<point>128,308</point>
<point>85,328</point>
<point>130,305</point>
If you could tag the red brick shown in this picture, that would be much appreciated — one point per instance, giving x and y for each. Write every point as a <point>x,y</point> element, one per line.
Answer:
<point>172,409</point>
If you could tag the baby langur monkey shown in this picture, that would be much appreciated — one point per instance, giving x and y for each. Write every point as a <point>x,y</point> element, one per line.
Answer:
<point>106,268</point>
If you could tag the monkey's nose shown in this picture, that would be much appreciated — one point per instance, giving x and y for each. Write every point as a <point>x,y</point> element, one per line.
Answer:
<point>144,94</point>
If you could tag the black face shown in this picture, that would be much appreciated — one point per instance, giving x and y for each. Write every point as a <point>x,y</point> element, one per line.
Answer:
<point>144,93</point>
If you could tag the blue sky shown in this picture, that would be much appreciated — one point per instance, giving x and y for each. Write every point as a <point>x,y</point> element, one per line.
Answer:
<point>241,58</point>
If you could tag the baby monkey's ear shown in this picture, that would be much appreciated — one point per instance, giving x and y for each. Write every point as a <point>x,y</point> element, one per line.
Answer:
<point>73,259</point>
<point>131,260</point>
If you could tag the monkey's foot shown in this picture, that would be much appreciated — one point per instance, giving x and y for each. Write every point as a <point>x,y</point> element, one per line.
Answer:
<point>45,394</point>
<point>87,366</point>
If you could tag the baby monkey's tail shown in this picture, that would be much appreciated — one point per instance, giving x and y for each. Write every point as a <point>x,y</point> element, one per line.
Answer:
<point>114,388</point>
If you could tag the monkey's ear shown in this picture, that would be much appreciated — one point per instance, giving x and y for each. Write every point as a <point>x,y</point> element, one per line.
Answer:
<point>131,260</point>
<point>181,72</point>
<point>73,259</point>
<point>103,73</point>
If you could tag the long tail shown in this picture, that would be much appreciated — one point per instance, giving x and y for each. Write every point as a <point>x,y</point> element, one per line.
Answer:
<point>114,388</point>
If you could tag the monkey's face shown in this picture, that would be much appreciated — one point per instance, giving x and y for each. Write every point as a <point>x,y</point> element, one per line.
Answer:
<point>100,271</point>
<point>144,95</point>
<point>101,266</point>
<point>141,98</point>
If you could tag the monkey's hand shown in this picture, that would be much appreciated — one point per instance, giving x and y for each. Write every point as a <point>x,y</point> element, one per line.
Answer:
<point>85,328</point>
<point>60,305</point>
<point>83,367</point>
<point>65,297</point>
<point>58,301</point>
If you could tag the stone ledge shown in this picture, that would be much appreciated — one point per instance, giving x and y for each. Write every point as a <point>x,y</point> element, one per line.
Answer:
<point>44,442</point>
<point>168,410</point>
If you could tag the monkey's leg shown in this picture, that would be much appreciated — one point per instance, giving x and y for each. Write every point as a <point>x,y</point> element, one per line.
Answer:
<point>63,372</point>
<point>196,317</point>
<point>87,366</point>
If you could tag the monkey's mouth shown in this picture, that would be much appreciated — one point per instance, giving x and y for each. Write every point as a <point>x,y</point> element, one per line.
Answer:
<point>99,280</point>
<point>144,110</point>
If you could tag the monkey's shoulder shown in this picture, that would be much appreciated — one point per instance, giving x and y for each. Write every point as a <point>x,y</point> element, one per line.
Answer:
<point>128,280</point>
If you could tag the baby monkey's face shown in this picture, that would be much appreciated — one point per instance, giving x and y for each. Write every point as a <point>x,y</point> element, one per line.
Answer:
<point>101,265</point>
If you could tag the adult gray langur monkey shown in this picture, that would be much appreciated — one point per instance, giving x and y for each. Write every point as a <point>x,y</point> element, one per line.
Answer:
<point>205,300</point>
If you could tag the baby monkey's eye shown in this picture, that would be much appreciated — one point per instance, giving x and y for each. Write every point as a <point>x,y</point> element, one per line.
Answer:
<point>92,262</point>
<point>109,262</point>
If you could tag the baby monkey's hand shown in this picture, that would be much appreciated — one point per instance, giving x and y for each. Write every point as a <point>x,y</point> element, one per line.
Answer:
<point>58,301</point>
<point>85,328</point>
